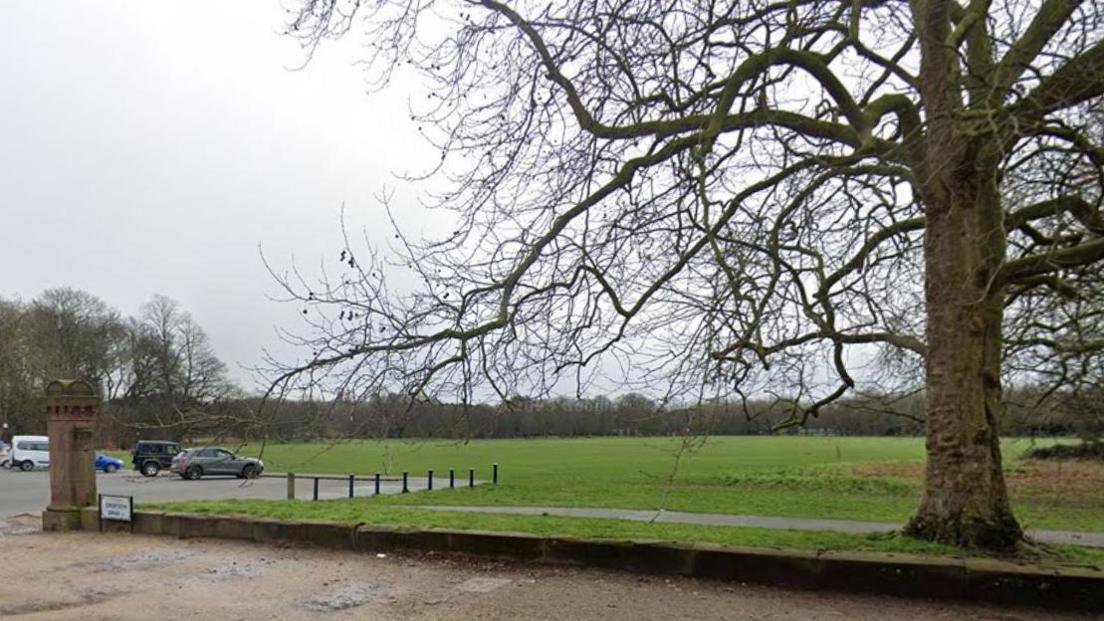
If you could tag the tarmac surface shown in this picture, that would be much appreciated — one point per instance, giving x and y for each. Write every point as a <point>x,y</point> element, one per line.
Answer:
<point>29,492</point>
<point>91,576</point>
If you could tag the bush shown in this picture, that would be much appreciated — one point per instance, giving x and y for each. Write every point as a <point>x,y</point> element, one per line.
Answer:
<point>1084,450</point>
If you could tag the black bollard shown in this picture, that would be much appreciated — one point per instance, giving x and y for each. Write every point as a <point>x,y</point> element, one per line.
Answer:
<point>452,478</point>
<point>471,477</point>
<point>316,488</point>
<point>429,481</point>
<point>377,483</point>
<point>352,482</point>
<point>494,477</point>
<point>405,488</point>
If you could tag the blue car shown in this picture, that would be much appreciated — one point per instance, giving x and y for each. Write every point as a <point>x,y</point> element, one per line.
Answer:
<point>108,464</point>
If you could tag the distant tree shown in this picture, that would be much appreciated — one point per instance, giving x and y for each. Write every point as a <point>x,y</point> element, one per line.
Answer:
<point>72,333</point>
<point>175,379</point>
<point>18,382</point>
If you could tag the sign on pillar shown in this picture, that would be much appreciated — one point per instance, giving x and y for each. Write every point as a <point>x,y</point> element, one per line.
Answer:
<point>71,407</point>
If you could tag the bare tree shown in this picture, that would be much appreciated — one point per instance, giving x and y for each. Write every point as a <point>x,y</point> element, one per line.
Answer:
<point>746,195</point>
<point>174,375</point>
<point>73,333</point>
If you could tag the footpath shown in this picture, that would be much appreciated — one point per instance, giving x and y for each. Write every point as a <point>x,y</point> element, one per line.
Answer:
<point>1088,539</point>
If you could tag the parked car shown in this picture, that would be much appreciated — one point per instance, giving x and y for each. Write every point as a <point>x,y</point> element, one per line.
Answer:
<point>108,464</point>
<point>150,456</point>
<point>193,464</point>
<point>29,452</point>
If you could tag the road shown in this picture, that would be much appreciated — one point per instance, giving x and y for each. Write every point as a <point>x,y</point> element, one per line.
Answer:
<point>29,492</point>
<point>90,576</point>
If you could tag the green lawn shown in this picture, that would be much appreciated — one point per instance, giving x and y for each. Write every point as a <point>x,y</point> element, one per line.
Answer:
<point>773,476</point>
<point>872,479</point>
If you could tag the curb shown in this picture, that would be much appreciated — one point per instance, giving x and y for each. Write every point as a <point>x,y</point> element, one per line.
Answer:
<point>977,580</point>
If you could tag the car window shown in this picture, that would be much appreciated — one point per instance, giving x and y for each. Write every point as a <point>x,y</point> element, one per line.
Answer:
<point>205,453</point>
<point>33,446</point>
<point>224,454</point>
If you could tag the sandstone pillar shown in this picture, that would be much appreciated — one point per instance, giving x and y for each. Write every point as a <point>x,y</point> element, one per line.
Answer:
<point>71,407</point>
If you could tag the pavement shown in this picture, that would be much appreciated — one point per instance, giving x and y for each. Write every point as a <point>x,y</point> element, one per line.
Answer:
<point>87,576</point>
<point>1089,539</point>
<point>29,492</point>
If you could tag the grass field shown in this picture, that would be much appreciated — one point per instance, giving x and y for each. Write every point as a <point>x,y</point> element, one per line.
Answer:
<point>870,479</point>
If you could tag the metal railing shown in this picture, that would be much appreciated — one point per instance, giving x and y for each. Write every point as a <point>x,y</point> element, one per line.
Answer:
<point>377,479</point>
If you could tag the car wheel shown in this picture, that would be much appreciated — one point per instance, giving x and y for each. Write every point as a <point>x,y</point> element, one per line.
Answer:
<point>110,468</point>
<point>194,473</point>
<point>249,472</point>
<point>26,466</point>
<point>151,468</point>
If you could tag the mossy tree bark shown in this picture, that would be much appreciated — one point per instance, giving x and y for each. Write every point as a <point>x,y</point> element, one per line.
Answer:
<point>965,500</point>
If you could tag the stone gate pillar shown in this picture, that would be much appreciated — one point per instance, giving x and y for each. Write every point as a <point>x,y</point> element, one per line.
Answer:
<point>71,407</point>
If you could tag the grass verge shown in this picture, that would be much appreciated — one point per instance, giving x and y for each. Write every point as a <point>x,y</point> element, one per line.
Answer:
<point>364,511</point>
<point>870,479</point>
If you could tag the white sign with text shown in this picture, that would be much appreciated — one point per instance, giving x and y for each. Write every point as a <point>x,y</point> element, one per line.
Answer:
<point>118,508</point>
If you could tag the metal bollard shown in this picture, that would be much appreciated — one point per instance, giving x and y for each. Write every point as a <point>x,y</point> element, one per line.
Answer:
<point>377,483</point>
<point>429,481</point>
<point>291,486</point>
<point>405,488</point>
<point>316,488</point>
<point>471,477</point>
<point>452,478</point>
<point>352,482</point>
<point>494,477</point>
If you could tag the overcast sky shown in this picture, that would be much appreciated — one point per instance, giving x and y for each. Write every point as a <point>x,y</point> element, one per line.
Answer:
<point>152,147</point>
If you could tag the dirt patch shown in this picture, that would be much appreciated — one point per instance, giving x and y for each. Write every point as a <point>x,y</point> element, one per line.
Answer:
<point>345,596</point>
<point>52,583</point>
<point>1078,483</point>
<point>22,524</point>
<point>133,562</point>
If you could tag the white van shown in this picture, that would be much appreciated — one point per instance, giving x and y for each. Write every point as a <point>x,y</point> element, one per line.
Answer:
<point>29,452</point>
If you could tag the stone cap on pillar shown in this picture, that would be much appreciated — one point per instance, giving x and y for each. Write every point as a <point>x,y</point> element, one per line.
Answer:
<point>71,398</point>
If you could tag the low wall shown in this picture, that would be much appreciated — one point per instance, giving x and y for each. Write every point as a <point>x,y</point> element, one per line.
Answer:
<point>981,580</point>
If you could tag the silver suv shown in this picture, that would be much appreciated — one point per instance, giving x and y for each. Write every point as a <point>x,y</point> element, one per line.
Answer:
<point>193,464</point>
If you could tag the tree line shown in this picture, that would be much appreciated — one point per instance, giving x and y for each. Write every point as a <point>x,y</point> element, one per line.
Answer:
<point>1029,413</point>
<point>161,379</point>
<point>156,370</point>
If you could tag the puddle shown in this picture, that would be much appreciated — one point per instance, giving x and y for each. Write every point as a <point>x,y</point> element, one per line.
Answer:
<point>345,597</point>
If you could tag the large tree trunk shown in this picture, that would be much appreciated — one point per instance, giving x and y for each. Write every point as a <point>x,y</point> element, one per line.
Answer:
<point>965,501</point>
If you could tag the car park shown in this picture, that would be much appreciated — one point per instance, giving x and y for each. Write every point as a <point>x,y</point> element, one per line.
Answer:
<point>151,456</point>
<point>108,464</point>
<point>30,452</point>
<point>194,464</point>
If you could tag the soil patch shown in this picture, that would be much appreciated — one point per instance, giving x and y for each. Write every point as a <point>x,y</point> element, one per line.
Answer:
<point>1069,482</point>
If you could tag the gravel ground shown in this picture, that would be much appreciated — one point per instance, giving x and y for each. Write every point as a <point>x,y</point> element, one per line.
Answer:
<point>90,576</point>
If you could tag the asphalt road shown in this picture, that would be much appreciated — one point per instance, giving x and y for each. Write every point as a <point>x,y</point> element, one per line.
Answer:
<point>29,492</point>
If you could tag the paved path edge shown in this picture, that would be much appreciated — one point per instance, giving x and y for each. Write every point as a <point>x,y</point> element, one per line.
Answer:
<point>972,579</point>
<point>1080,538</point>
